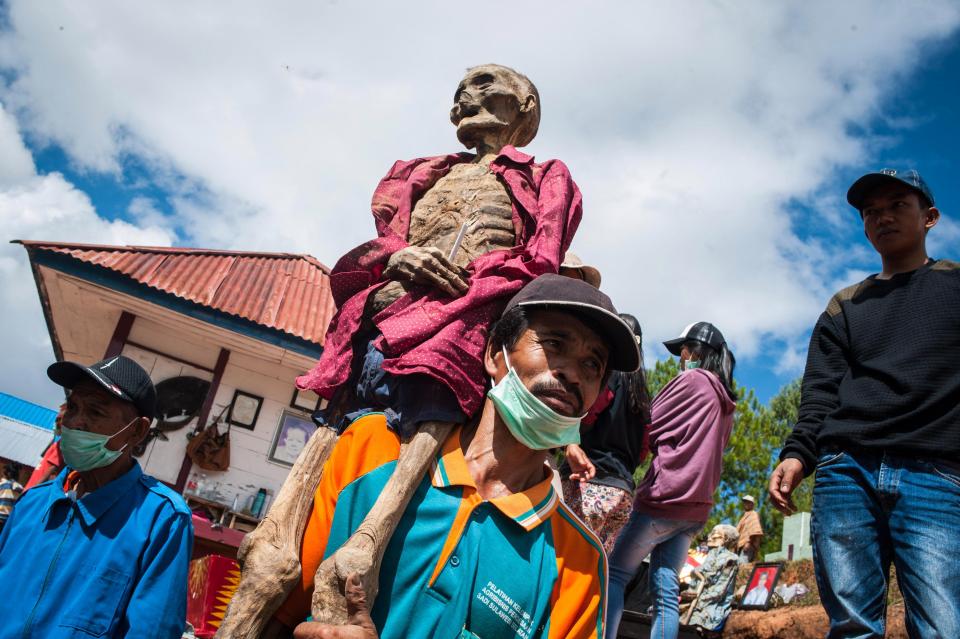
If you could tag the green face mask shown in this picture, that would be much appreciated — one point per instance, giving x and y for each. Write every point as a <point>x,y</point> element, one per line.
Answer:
<point>690,364</point>
<point>531,422</point>
<point>85,451</point>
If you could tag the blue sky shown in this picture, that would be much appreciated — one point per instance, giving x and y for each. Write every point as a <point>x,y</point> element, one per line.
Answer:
<point>713,166</point>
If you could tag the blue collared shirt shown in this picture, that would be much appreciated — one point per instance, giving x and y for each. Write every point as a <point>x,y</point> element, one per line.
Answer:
<point>110,564</point>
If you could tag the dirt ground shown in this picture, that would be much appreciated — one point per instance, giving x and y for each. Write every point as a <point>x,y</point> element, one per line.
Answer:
<point>796,622</point>
<point>803,618</point>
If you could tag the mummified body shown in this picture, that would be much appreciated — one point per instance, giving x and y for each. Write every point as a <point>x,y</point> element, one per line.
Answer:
<point>414,309</point>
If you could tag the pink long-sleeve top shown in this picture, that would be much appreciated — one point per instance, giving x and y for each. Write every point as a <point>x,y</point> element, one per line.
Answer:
<point>426,331</point>
<point>692,417</point>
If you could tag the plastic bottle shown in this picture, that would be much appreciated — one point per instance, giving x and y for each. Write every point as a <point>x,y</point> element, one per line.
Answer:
<point>201,484</point>
<point>258,501</point>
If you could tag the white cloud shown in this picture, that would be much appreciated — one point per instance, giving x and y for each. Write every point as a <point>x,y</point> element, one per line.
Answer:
<point>690,127</point>
<point>41,207</point>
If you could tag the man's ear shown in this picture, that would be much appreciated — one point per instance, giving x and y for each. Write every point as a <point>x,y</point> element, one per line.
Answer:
<point>489,359</point>
<point>933,216</point>
<point>140,429</point>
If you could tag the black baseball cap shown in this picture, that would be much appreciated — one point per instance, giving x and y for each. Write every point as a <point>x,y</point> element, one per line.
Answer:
<point>120,376</point>
<point>860,189</point>
<point>704,332</point>
<point>553,291</point>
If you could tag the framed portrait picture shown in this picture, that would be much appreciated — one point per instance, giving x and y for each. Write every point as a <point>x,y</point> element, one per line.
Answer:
<point>244,410</point>
<point>763,579</point>
<point>292,435</point>
<point>304,400</point>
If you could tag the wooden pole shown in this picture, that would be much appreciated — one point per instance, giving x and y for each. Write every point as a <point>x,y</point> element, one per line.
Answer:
<point>205,409</point>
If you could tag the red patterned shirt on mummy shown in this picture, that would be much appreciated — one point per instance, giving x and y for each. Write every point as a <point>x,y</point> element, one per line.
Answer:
<point>426,331</point>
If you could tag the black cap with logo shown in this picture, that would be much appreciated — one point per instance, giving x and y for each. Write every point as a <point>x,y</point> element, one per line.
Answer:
<point>697,332</point>
<point>565,293</point>
<point>120,376</point>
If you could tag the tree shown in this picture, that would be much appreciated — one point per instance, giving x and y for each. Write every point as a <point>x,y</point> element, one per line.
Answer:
<point>661,373</point>
<point>784,407</point>
<point>751,455</point>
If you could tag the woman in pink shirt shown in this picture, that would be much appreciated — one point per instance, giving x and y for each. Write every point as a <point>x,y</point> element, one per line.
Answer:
<point>691,421</point>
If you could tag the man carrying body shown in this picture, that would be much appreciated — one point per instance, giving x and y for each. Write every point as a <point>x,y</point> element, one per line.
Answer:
<point>879,422</point>
<point>101,550</point>
<point>485,547</point>
<point>750,531</point>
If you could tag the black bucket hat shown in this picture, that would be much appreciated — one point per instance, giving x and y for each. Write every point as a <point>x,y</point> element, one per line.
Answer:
<point>557,292</point>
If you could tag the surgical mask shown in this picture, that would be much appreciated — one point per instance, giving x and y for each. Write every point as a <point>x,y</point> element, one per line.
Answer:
<point>531,422</point>
<point>85,451</point>
<point>690,364</point>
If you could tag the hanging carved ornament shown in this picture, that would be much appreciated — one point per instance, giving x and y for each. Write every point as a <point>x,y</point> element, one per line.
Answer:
<point>179,400</point>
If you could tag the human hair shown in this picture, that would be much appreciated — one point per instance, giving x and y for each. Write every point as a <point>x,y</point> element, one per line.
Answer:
<point>130,411</point>
<point>719,361</point>
<point>638,395</point>
<point>529,121</point>
<point>509,328</point>
<point>511,325</point>
<point>295,427</point>
<point>730,534</point>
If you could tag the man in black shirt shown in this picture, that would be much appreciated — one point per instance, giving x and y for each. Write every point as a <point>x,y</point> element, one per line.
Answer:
<point>879,422</point>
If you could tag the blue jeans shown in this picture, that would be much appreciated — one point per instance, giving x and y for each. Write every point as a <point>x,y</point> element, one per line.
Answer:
<point>405,400</point>
<point>667,542</point>
<point>870,509</point>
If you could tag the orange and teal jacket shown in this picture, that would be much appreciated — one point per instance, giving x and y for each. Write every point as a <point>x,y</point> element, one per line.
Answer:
<point>458,565</point>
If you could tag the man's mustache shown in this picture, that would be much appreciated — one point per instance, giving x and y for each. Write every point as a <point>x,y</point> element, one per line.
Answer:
<point>559,388</point>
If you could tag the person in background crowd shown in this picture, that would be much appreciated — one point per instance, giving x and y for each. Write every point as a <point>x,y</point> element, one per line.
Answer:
<point>573,266</point>
<point>597,474</point>
<point>692,417</point>
<point>10,491</point>
<point>750,531</point>
<point>102,550</point>
<point>879,422</point>
<point>52,461</point>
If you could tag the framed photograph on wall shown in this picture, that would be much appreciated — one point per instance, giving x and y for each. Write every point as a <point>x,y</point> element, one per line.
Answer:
<point>291,437</point>
<point>304,400</point>
<point>763,579</point>
<point>244,410</point>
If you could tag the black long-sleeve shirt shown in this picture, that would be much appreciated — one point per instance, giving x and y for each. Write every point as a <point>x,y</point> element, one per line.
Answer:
<point>614,443</point>
<point>883,369</point>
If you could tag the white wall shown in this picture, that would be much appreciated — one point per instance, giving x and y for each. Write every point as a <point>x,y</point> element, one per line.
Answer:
<point>264,377</point>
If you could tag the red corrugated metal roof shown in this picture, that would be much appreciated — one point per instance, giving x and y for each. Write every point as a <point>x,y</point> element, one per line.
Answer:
<point>285,291</point>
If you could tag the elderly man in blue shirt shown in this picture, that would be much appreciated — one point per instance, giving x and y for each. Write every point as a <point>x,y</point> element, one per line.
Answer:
<point>102,550</point>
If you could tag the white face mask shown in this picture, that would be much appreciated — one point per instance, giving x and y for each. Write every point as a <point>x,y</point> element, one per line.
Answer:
<point>531,422</point>
<point>85,451</point>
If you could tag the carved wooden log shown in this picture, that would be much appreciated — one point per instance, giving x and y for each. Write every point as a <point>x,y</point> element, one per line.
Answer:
<point>270,555</point>
<point>363,552</point>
